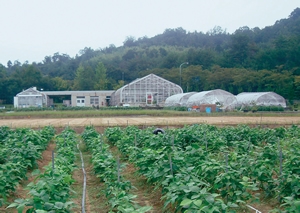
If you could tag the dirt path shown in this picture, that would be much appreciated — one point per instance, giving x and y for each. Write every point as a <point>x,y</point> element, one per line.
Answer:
<point>95,202</point>
<point>149,120</point>
<point>21,191</point>
<point>146,195</point>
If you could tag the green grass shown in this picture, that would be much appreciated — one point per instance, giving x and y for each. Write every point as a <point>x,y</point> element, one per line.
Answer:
<point>89,113</point>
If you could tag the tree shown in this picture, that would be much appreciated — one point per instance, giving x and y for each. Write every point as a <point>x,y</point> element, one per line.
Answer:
<point>100,76</point>
<point>29,76</point>
<point>3,78</point>
<point>85,78</point>
<point>130,54</point>
<point>129,42</point>
<point>239,49</point>
<point>9,64</point>
<point>61,84</point>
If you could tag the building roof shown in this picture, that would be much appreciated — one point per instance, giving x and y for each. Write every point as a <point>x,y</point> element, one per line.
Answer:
<point>83,92</point>
<point>32,91</point>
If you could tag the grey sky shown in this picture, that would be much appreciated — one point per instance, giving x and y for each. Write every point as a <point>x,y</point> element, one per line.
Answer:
<point>33,29</point>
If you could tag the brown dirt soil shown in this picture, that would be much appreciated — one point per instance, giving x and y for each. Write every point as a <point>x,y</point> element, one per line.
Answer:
<point>94,202</point>
<point>151,121</point>
<point>46,157</point>
<point>21,191</point>
<point>146,195</point>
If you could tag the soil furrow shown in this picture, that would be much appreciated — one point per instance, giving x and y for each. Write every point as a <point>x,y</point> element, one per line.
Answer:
<point>95,201</point>
<point>21,191</point>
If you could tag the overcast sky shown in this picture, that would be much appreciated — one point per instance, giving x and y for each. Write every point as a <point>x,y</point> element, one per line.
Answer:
<point>33,29</point>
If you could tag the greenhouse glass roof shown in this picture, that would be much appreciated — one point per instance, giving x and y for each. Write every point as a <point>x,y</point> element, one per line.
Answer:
<point>149,90</point>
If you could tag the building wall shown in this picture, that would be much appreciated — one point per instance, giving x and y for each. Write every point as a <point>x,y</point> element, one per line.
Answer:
<point>29,98</point>
<point>32,97</point>
<point>30,101</point>
<point>91,99</point>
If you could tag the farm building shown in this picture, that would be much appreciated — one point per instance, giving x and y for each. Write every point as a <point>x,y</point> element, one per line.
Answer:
<point>147,91</point>
<point>34,98</point>
<point>30,98</point>
<point>260,99</point>
<point>221,98</point>
<point>82,98</point>
<point>178,99</point>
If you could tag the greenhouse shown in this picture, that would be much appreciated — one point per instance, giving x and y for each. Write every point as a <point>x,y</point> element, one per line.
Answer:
<point>147,91</point>
<point>260,99</point>
<point>224,100</point>
<point>178,99</point>
<point>30,98</point>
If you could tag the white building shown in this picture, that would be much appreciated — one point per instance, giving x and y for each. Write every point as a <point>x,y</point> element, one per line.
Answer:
<point>149,90</point>
<point>34,98</point>
<point>82,98</point>
<point>30,98</point>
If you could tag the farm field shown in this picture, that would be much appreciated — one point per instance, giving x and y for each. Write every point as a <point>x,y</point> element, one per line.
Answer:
<point>190,167</point>
<point>150,120</point>
<point>203,168</point>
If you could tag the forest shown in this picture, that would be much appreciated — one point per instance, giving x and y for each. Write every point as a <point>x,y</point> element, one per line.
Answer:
<point>248,60</point>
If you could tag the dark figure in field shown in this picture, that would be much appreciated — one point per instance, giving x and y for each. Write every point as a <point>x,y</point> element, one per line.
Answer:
<point>158,130</point>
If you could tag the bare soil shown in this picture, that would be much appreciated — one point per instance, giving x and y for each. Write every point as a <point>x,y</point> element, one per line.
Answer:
<point>151,121</point>
<point>146,195</point>
<point>95,202</point>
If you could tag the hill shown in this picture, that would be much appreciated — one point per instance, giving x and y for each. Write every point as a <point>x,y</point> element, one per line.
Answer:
<point>247,60</point>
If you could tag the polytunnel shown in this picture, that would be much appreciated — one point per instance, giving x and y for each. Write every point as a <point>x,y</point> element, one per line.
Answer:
<point>260,99</point>
<point>178,99</point>
<point>224,99</point>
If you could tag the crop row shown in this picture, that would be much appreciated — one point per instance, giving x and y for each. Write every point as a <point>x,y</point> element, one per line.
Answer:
<point>108,169</point>
<point>19,151</point>
<point>51,191</point>
<point>208,169</point>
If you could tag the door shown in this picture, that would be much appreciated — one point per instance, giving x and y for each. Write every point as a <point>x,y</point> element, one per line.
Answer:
<point>80,101</point>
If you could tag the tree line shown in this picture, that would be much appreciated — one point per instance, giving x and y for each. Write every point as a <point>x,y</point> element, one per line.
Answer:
<point>248,60</point>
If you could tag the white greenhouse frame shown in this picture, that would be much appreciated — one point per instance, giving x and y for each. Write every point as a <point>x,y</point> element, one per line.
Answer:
<point>149,90</point>
<point>178,99</point>
<point>260,99</point>
<point>217,96</point>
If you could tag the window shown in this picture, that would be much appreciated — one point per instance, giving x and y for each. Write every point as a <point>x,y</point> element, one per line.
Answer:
<point>94,100</point>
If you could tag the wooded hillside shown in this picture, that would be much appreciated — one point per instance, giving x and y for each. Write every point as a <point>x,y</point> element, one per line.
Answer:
<point>248,60</point>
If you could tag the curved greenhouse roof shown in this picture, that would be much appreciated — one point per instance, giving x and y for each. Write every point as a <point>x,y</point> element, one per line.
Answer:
<point>178,99</point>
<point>261,99</point>
<point>218,96</point>
<point>149,90</point>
